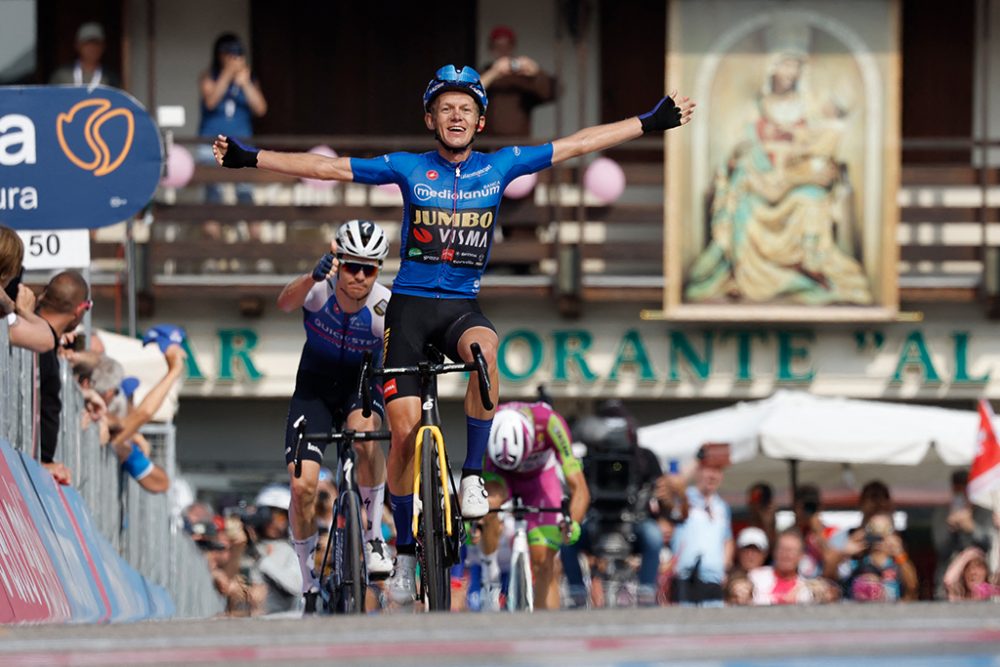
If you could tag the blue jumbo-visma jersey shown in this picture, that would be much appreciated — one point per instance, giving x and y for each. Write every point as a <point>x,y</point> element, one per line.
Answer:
<point>449,213</point>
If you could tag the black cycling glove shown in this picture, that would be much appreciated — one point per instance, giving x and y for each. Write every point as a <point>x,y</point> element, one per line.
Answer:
<point>664,116</point>
<point>323,267</point>
<point>238,156</point>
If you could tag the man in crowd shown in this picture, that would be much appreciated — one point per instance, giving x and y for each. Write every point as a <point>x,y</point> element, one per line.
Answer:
<point>64,302</point>
<point>87,70</point>
<point>516,85</point>
<point>704,543</point>
<point>781,583</point>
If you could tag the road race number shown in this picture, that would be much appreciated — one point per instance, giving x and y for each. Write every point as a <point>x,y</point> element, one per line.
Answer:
<point>65,249</point>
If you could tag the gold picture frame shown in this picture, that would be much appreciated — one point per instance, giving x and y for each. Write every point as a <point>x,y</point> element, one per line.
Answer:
<point>780,202</point>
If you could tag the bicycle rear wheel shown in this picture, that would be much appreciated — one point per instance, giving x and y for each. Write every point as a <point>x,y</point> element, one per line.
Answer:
<point>353,582</point>
<point>435,578</point>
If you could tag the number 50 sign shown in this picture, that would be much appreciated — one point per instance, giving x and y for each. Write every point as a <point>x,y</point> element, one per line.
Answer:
<point>63,249</point>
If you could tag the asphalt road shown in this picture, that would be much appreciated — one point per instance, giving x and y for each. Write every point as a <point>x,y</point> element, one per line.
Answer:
<point>924,635</point>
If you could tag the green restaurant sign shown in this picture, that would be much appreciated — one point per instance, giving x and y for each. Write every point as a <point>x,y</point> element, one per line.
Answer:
<point>669,357</point>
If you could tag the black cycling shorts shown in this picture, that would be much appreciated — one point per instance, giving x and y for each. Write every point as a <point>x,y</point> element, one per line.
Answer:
<point>413,321</point>
<point>325,402</point>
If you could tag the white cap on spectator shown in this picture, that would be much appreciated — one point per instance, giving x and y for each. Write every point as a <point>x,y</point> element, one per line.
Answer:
<point>90,32</point>
<point>752,537</point>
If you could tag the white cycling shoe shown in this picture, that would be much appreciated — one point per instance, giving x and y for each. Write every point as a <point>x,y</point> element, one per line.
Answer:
<point>377,559</point>
<point>473,499</point>
<point>402,584</point>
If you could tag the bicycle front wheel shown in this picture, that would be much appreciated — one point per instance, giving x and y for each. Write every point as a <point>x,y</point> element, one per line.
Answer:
<point>519,594</point>
<point>435,578</point>
<point>353,578</point>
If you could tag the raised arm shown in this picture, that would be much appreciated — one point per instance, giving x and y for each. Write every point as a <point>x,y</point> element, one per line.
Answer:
<point>296,292</point>
<point>664,116</point>
<point>231,153</point>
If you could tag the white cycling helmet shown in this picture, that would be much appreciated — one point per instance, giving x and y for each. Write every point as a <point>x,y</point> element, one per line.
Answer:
<point>362,238</point>
<point>277,496</point>
<point>510,437</point>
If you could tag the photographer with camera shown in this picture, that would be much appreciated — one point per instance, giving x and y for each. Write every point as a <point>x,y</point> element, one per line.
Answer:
<point>275,574</point>
<point>704,542</point>
<point>622,478</point>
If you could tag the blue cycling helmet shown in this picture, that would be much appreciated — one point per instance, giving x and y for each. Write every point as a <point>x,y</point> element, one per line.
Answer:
<point>465,80</point>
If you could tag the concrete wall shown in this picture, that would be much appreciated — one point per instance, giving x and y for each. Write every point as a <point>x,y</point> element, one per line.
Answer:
<point>992,72</point>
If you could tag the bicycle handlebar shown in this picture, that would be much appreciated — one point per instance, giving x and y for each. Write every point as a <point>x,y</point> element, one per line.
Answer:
<point>478,365</point>
<point>347,435</point>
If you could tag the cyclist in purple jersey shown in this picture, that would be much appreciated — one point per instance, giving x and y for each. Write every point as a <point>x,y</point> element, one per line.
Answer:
<point>451,198</point>
<point>525,442</point>
<point>343,309</point>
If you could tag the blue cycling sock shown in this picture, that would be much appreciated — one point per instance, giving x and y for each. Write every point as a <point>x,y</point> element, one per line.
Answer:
<point>478,438</point>
<point>402,516</point>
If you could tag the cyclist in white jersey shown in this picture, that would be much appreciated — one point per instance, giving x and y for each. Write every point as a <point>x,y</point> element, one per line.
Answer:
<point>450,200</point>
<point>343,310</point>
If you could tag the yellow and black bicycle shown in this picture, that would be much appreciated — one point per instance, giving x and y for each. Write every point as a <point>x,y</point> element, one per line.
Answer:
<point>437,522</point>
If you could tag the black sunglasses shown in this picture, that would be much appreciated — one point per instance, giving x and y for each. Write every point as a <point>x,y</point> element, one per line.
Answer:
<point>353,268</point>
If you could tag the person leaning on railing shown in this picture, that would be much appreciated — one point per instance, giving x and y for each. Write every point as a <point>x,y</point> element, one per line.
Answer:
<point>17,302</point>
<point>124,428</point>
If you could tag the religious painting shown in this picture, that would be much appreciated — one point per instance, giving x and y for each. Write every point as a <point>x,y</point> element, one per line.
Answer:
<point>781,194</point>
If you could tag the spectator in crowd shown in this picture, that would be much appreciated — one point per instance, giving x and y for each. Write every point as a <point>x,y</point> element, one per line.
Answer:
<point>968,577</point>
<point>326,494</point>
<point>882,571</point>
<point>275,573</point>
<point>959,526</point>
<point>88,69</point>
<point>739,591</point>
<point>704,543</point>
<point>781,583</point>
<point>126,440</point>
<point>816,537</point>
<point>64,302</point>
<point>230,98</point>
<point>846,544</point>
<point>761,508</point>
<point>515,84</point>
<point>752,550</point>
<point>17,302</point>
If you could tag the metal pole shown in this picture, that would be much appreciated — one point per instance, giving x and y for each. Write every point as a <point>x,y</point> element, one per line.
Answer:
<point>151,54</point>
<point>984,129</point>
<point>793,477</point>
<point>130,269</point>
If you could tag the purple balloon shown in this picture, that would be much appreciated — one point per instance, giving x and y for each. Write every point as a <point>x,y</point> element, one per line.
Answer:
<point>521,186</point>
<point>604,180</point>
<point>318,183</point>
<point>180,167</point>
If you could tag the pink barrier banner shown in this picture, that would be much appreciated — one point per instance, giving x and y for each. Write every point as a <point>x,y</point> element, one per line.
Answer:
<point>29,584</point>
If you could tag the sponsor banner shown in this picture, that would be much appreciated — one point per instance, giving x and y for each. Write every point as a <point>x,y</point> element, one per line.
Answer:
<point>75,157</point>
<point>55,526</point>
<point>460,238</point>
<point>28,579</point>
<point>125,587</point>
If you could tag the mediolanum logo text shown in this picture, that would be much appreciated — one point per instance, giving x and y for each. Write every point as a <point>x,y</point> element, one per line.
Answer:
<point>424,192</point>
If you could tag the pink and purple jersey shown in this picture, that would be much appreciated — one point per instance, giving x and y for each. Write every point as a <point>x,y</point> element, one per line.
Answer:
<point>552,441</point>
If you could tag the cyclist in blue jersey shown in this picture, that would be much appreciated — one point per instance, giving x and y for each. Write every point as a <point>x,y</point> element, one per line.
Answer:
<point>343,310</point>
<point>451,197</point>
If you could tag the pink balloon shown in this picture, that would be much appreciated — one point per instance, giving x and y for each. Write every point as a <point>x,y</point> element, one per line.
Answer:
<point>605,180</point>
<point>317,183</point>
<point>388,188</point>
<point>180,167</point>
<point>521,186</point>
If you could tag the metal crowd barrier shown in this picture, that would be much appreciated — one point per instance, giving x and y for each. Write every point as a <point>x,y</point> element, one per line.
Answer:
<point>140,525</point>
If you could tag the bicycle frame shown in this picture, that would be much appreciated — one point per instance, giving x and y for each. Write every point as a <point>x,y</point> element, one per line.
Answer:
<point>347,487</point>
<point>443,549</point>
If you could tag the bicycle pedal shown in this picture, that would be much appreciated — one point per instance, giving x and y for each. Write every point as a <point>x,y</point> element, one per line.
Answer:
<point>379,576</point>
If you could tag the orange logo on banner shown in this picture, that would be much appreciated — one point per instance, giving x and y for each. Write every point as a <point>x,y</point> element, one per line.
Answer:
<point>102,163</point>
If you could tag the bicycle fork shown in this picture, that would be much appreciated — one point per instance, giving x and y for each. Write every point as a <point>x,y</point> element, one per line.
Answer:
<point>443,470</point>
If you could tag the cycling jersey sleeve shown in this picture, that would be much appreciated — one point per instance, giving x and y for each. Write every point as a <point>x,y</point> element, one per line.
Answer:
<point>526,159</point>
<point>318,295</point>
<point>376,170</point>
<point>558,432</point>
